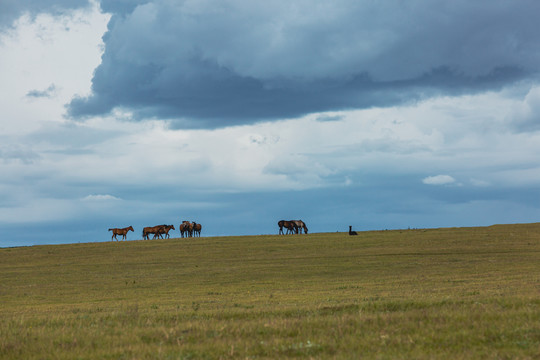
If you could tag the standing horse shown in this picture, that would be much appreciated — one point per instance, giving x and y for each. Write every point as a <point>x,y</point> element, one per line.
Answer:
<point>186,228</point>
<point>197,229</point>
<point>123,232</point>
<point>289,225</point>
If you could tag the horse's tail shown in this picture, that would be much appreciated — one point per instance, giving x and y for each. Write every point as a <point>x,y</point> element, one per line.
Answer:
<point>110,230</point>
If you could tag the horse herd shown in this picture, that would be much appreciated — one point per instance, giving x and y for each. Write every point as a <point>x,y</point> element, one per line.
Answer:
<point>189,229</point>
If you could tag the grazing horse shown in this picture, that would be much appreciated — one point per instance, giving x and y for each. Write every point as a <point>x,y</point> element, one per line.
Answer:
<point>186,228</point>
<point>351,232</point>
<point>151,230</point>
<point>197,229</point>
<point>123,232</point>
<point>299,225</point>
<point>165,230</point>
<point>289,225</point>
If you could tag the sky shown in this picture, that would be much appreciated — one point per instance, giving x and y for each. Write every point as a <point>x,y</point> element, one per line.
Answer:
<point>237,114</point>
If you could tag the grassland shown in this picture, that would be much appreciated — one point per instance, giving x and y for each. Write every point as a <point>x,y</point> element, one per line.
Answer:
<point>465,293</point>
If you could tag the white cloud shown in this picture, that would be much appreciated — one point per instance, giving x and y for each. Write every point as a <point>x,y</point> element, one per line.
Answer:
<point>439,180</point>
<point>525,115</point>
<point>450,134</point>
<point>37,210</point>
<point>50,58</point>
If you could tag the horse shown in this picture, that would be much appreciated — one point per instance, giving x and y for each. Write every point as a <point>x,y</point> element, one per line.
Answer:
<point>160,230</point>
<point>151,230</point>
<point>123,232</point>
<point>165,230</point>
<point>351,232</point>
<point>186,228</point>
<point>197,229</point>
<point>289,225</point>
<point>299,225</point>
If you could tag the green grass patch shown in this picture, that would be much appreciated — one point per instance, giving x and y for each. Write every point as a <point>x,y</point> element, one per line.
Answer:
<point>463,293</point>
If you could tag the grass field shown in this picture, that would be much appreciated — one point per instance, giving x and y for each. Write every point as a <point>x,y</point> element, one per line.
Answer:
<point>465,293</point>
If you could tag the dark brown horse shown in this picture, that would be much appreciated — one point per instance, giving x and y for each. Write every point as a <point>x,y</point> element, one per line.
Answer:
<point>123,232</point>
<point>197,229</point>
<point>289,225</point>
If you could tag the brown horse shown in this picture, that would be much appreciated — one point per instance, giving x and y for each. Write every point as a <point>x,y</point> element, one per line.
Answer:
<point>289,225</point>
<point>186,228</point>
<point>165,231</point>
<point>151,230</point>
<point>123,232</point>
<point>299,225</point>
<point>197,229</point>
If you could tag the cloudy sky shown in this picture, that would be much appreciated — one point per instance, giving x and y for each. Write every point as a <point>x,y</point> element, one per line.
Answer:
<point>236,114</point>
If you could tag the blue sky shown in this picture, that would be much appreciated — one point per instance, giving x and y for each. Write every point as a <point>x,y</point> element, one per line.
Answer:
<point>236,114</point>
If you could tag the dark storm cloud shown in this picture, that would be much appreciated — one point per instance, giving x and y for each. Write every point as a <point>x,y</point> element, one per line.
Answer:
<point>11,10</point>
<point>217,64</point>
